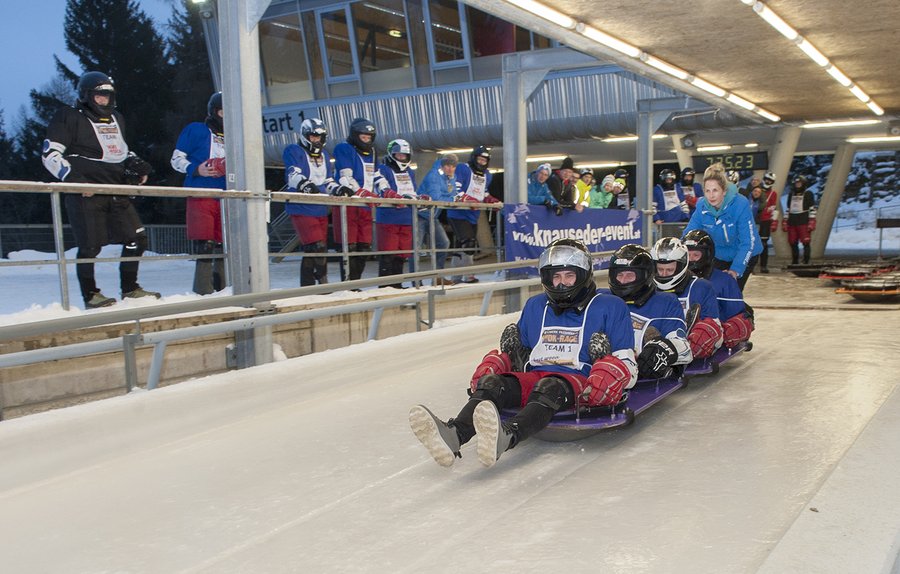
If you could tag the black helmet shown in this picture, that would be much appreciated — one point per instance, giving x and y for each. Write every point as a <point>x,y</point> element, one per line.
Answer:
<point>567,255</point>
<point>666,174</point>
<point>621,174</point>
<point>699,240</point>
<point>801,179</point>
<point>480,151</point>
<point>313,127</point>
<point>212,112</point>
<point>635,258</point>
<point>688,171</point>
<point>397,148</point>
<point>670,250</point>
<point>358,127</point>
<point>94,83</point>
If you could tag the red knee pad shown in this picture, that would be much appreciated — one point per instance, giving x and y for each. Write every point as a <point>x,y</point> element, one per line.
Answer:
<point>494,363</point>
<point>737,330</point>
<point>705,337</point>
<point>606,381</point>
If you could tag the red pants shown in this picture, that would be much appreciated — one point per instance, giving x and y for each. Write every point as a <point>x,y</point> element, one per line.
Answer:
<point>204,219</point>
<point>310,228</point>
<point>359,224</point>
<point>798,233</point>
<point>394,237</point>
<point>529,379</point>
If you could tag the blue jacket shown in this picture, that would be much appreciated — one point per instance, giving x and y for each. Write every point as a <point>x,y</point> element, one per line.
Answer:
<point>195,145</point>
<point>728,294</point>
<point>731,228</point>
<point>438,186</point>
<point>539,193</point>
<point>395,214</point>
<point>465,180</point>
<point>296,164</point>
<point>674,214</point>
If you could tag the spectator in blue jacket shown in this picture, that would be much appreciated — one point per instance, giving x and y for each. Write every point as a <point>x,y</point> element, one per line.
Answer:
<point>539,191</point>
<point>725,215</point>
<point>668,200</point>
<point>440,185</point>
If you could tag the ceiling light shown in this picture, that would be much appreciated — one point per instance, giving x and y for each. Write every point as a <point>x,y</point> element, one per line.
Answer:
<point>607,40</point>
<point>749,2</point>
<point>630,138</point>
<point>740,101</point>
<point>857,91</point>
<point>775,21</point>
<point>395,33</point>
<point>544,12</point>
<point>707,87</point>
<point>537,158</point>
<point>496,170</point>
<point>751,144</point>
<point>874,139</point>
<point>598,165</point>
<point>767,114</point>
<point>713,148</point>
<point>460,150</point>
<point>840,124</point>
<point>811,51</point>
<point>664,66</point>
<point>876,109</point>
<point>839,76</point>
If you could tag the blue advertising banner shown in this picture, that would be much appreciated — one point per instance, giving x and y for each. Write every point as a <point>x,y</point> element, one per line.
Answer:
<point>531,228</point>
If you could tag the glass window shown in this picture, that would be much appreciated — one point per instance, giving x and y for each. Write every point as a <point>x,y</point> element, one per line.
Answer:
<point>283,57</point>
<point>446,31</point>
<point>382,44</point>
<point>336,32</point>
<point>489,34</point>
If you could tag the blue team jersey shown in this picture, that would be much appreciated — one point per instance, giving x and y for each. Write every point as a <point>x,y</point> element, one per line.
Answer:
<point>662,312</point>
<point>197,144</point>
<point>731,300</point>
<point>295,157</point>
<point>699,292</point>
<point>605,313</point>
<point>668,205</point>
<point>403,183</point>
<point>467,180</point>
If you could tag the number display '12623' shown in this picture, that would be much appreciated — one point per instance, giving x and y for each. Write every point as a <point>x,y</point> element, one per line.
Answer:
<point>737,161</point>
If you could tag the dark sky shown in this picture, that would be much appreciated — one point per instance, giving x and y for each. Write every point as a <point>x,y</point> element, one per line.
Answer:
<point>31,32</point>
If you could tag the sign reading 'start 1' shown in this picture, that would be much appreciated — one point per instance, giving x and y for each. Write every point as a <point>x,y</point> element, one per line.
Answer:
<point>737,161</point>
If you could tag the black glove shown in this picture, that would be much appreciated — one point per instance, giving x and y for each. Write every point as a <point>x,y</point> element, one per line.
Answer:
<point>308,187</point>
<point>345,191</point>
<point>655,359</point>
<point>135,170</point>
<point>557,207</point>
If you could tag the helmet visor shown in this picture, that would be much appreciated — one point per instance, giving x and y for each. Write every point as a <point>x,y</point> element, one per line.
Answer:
<point>565,256</point>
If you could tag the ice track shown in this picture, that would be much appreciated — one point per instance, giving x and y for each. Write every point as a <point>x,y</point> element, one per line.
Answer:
<point>309,466</point>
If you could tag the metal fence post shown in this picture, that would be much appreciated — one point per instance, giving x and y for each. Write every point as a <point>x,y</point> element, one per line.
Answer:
<point>129,342</point>
<point>56,210</point>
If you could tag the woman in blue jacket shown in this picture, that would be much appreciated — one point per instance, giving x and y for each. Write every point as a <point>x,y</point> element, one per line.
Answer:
<point>725,215</point>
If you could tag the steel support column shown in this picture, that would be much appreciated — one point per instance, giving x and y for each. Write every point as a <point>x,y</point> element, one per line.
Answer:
<point>786,140</point>
<point>831,197</point>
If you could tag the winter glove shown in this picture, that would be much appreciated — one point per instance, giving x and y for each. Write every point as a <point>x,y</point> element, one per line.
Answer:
<point>136,170</point>
<point>463,197</point>
<point>606,381</point>
<point>488,198</point>
<point>424,197</point>
<point>812,225</point>
<point>308,187</point>
<point>737,329</point>
<point>705,337</point>
<point>217,166</point>
<point>362,192</point>
<point>494,363</point>
<point>691,201</point>
<point>784,225</point>
<point>655,359</point>
<point>344,191</point>
<point>773,225</point>
<point>390,194</point>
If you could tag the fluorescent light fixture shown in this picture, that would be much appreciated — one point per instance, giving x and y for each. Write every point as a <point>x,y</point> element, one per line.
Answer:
<point>874,139</point>
<point>395,33</point>
<point>607,40</point>
<point>840,124</point>
<point>857,91</point>
<point>741,102</point>
<point>811,51</point>
<point>775,21</point>
<point>665,67</point>
<point>707,87</point>
<point>749,2</point>
<point>460,150</point>
<point>630,138</point>
<point>496,170</point>
<point>545,12</point>
<point>838,75</point>
<point>876,109</point>
<point>751,144</point>
<point>714,148</point>
<point>767,114</point>
<point>598,165</point>
<point>537,158</point>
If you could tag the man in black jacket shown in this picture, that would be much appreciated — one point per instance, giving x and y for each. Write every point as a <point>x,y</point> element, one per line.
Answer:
<point>86,144</point>
<point>562,184</point>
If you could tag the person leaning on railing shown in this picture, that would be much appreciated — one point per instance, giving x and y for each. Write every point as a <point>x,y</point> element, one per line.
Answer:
<point>86,144</point>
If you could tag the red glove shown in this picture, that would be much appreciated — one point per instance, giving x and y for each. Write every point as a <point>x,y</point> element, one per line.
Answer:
<point>606,381</point>
<point>774,225</point>
<point>784,224</point>
<point>362,192</point>
<point>391,194</point>
<point>488,198</point>
<point>737,330</point>
<point>424,197</point>
<point>691,200</point>
<point>217,166</point>
<point>464,198</point>
<point>704,338</point>
<point>494,363</point>
<point>812,225</point>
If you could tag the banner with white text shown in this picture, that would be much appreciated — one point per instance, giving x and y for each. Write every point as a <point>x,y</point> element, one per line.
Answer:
<point>531,228</point>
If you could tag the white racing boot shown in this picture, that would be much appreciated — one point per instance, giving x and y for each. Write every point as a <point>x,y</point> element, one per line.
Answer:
<point>438,437</point>
<point>494,437</point>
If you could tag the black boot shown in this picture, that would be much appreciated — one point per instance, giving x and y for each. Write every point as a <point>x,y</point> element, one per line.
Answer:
<point>307,271</point>
<point>795,254</point>
<point>807,252</point>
